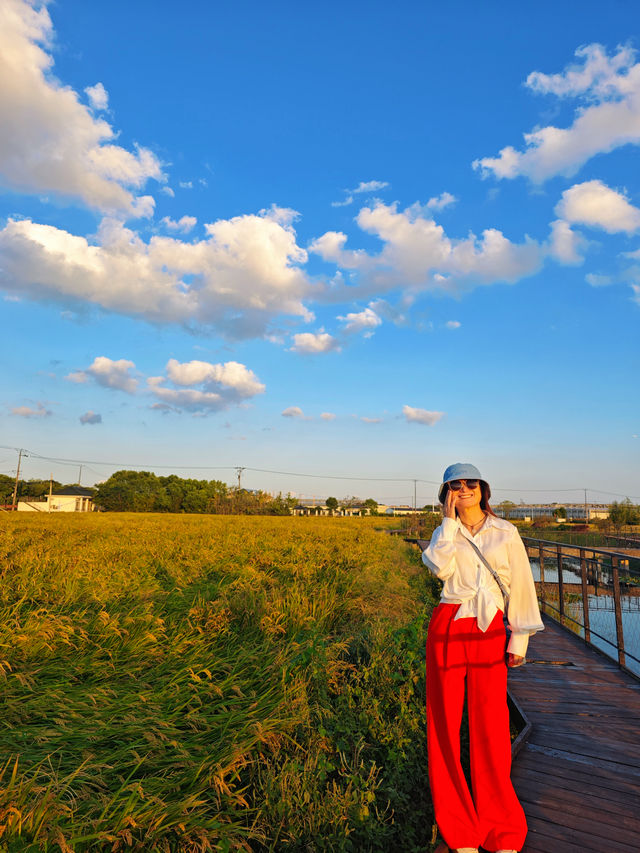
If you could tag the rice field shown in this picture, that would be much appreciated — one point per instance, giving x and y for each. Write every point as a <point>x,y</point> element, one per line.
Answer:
<point>201,683</point>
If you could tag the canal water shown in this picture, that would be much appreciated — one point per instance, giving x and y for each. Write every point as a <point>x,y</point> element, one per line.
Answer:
<point>602,620</point>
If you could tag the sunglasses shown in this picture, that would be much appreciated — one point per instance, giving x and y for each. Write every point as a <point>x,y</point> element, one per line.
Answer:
<point>456,485</point>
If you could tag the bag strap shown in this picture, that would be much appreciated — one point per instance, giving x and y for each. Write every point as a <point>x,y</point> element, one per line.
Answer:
<point>494,574</point>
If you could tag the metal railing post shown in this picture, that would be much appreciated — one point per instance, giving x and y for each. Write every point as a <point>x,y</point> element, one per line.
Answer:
<point>585,595</point>
<point>615,572</point>
<point>541,561</point>
<point>560,589</point>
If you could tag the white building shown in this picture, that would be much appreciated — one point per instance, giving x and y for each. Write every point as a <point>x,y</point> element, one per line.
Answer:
<point>400,510</point>
<point>314,506</point>
<point>532,512</point>
<point>69,499</point>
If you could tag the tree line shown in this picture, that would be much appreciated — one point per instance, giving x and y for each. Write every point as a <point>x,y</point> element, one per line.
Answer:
<point>143,491</point>
<point>33,490</point>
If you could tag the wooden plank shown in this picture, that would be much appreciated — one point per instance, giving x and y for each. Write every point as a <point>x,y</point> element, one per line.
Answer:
<point>571,826</point>
<point>594,764</point>
<point>587,748</point>
<point>547,837</point>
<point>579,710</point>
<point>616,735</point>
<point>607,812</point>
<point>559,777</point>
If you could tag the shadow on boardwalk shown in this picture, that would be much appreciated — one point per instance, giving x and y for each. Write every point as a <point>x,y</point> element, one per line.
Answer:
<point>578,775</point>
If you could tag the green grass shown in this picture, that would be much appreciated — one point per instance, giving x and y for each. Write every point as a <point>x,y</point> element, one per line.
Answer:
<point>206,683</point>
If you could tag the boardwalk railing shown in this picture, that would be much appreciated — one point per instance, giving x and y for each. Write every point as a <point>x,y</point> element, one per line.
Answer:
<point>622,541</point>
<point>594,592</point>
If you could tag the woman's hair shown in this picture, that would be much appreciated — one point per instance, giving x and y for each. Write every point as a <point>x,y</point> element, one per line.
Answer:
<point>484,500</point>
<point>485,493</point>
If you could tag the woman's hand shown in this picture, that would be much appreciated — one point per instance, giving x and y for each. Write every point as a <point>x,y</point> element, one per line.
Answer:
<point>514,660</point>
<point>450,504</point>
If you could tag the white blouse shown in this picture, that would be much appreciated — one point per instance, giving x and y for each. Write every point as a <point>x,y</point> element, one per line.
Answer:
<point>468,582</point>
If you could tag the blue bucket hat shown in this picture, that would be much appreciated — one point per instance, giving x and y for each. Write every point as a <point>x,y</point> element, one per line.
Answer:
<point>460,471</point>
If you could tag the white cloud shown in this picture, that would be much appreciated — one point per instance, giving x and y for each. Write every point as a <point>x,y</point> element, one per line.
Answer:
<point>363,321</point>
<point>50,141</point>
<point>598,279</point>
<point>595,204</point>
<point>314,343</point>
<point>418,255</point>
<point>636,293</point>
<point>28,412</point>
<point>371,420</point>
<point>566,245</point>
<point>184,224</point>
<point>600,74</point>
<point>167,191</point>
<point>221,386</point>
<point>91,418</point>
<point>607,117</point>
<point>108,373</point>
<point>234,377</point>
<point>421,416</point>
<point>186,185</point>
<point>191,399</point>
<point>236,280</point>
<point>453,324</point>
<point>388,312</point>
<point>345,203</point>
<point>363,187</point>
<point>98,97</point>
<point>293,412</point>
<point>440,202</point>
<point>328,416</point>
<point>370,186</point>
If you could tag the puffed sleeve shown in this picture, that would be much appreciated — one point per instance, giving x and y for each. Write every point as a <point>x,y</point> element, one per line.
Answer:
<point>440,555</point>
<point>524,614</point>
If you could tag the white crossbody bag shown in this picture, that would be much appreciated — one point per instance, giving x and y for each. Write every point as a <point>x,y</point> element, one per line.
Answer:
<point>494,574</point>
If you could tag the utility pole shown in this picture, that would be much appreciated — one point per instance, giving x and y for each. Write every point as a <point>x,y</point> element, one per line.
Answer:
<point>414,495</point>
<point>50,491</point>
<point>15,488</point>
<point>239,469</point>
<point>80,476</point>
<point>586,511</point>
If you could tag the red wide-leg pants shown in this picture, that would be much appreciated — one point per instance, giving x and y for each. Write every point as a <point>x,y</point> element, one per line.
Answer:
<point>459,651</point>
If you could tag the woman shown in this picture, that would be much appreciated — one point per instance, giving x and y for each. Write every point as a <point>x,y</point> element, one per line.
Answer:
<point>466,641</point>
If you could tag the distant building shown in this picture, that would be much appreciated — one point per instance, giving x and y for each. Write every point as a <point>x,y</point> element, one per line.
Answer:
<point>313,506</point>
<point>399,510</point>
<point>305,506</point>
<point>533,512</point>
<point>68,499</point>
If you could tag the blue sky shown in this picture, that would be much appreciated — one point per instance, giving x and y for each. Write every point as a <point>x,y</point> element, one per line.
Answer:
<point>343,239</point>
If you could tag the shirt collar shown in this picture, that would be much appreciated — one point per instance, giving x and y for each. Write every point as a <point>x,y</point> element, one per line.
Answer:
<point>490,522</point>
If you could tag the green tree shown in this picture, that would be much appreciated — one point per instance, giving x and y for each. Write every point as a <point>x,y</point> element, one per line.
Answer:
<point>282,505</point>
<point>624,513</point>
<point>132,491</point>
<point>27,489</point>
<point>332,504</point>
<point>560,512</point>
<point>6,488</point>
<point>506,507</point>
<point>371,506</point>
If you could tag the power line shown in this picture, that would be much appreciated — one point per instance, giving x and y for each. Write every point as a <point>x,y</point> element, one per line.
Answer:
<point>339,476</point>
<point>343,477</point>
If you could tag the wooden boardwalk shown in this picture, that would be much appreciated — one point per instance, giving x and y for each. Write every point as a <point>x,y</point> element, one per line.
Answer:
<point>578,774</point>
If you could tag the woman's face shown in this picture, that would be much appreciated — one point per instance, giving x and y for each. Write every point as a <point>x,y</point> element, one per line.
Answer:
<point>466,498</point>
